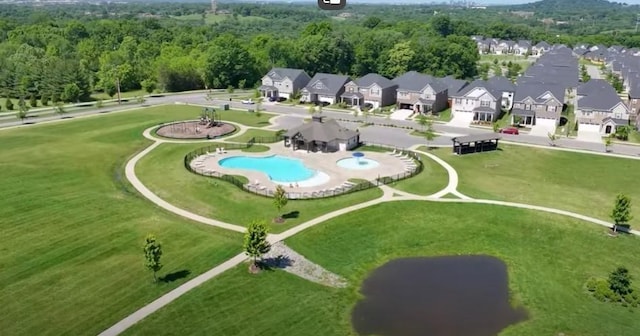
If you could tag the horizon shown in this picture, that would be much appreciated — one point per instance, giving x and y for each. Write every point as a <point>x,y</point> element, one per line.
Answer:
<point>409,2</point>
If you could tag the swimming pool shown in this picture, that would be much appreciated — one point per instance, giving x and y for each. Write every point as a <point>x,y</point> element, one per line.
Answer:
<point>357,163</point>
<point>278,168</point>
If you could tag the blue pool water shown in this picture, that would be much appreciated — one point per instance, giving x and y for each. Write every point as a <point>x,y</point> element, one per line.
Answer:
<point>278,168</point>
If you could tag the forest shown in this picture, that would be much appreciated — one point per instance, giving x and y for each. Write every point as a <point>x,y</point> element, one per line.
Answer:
<point>64,53</point>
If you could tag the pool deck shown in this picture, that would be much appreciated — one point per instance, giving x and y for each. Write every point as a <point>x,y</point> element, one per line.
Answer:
<point>336,177</point>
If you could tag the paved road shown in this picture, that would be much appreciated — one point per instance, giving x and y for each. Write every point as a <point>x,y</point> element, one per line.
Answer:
<point>594,71</point>
<point>378,134</point>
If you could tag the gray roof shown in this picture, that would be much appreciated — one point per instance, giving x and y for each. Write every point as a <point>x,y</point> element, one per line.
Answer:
<point>281,73</point>
<point>495,87</point>
<point>476,137</point>
<point>352,95</point>
<point>373,78</point>
<point>415,81</point>
<point>453,85</point>
<point>598,95</point>
<point>543,44</point>
<point>328,84</point>
<point>634,91</point>
<point>536,90</point>
<point>524,44</point>
<point>320,129</point>
<point>484,109</point>
<point>619,122</point>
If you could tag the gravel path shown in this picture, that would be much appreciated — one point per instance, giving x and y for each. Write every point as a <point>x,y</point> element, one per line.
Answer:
<point>283,257</point>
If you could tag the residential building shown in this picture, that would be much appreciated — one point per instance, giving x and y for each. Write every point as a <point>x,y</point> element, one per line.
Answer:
<point>522,48</point>
<point>453,86</point>
<point>283,82</point>
<point>504,47</point>
<point>483,100</point>
<point>420,93</point>
<point>372,89</point>
<point>538,103</point>
<point>599,108</point>
<point>541,48</point>
<point>324,88</point>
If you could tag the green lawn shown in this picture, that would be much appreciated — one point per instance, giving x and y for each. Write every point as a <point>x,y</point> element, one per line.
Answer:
<point>432,179</point>
<point>163,172</point>
<point>72,228</point>
<point>549,259</point>
<point>253,133</point>
<point>244,117</point>
<point>444,115</point>
<point>582,183</point>
<point>570,126</point>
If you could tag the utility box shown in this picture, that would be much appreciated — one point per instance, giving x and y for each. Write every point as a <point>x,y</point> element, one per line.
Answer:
<point>225,107</point>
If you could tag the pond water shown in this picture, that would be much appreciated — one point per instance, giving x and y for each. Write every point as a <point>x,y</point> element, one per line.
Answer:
<point>440,296</point>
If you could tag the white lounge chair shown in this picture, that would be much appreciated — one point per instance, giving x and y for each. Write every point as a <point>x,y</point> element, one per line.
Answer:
<point>399,154</point>
<point>394,152</point>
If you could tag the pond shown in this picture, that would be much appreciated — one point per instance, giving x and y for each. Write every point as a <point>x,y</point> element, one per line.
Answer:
<point>443,296</point>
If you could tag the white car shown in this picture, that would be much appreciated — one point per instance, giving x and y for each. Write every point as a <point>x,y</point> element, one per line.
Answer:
<point>248,102</point>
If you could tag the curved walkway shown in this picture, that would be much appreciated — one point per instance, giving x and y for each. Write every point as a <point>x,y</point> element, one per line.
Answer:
<point>389,195</point>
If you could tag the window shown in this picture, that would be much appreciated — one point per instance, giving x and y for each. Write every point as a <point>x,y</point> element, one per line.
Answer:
<point>527,107</point>
<point>485,103</point>
<point>375,91</point>
<point>551,108</point>
<point>318,85</point>
<point>458,101</point>
<point>350,89</point>
<point>466,101</point>
<point>404,93</point>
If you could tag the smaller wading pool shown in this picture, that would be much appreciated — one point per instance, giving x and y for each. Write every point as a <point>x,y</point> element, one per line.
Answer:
<point>357,163</point>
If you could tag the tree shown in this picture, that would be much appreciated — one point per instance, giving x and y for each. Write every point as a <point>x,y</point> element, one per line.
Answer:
<point>495,127</point>
<point>148,85</point>
<point>33,101</point>
<point>442,25</point>
<point>99,104</point>
<point>311,110</point>
<point>399,59</point>
<point>44,99</point>
<point>152,253</point>
<point>71,93</point>
<point>621,213</point>
<point>552,139</point>
<point>23,111</point>
<point>8,104</point>
<point>59,109</point>
<point>423,121</point>
<point>429,134</point>
<point>620,281</point>
<point>495,61</point>
<point>255,242</point>
<point>607,143</point>
<point>623,132</point>
<point>280,201</point>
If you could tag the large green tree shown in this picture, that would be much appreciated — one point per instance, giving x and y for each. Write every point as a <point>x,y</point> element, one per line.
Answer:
<point>228,62</point>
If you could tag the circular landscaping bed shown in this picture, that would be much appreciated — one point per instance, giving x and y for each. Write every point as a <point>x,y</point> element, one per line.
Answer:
<point>195,130</point>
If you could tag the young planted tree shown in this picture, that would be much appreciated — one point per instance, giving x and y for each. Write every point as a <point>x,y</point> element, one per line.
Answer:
<point>311,110</point>
<point>621,213</point>
<point>99,104</point>
<point>255,243</point>
<point>44,99</point>
<point>620,281</point>
<point>552,139</point>
<point>423,121</point>
<point>59,109</point>
<point>280,200</point>
<point>495,127</point>
<point>607,144</point>
<point>148,85</point>
<point>152,253</point>
<point>8,104</point>
<point>622,132</point>
<point>33,101</point>
<point>23,112</point>
<point>429,134</point>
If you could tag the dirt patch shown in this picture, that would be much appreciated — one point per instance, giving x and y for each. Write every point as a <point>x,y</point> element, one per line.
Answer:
<point>194,130</point>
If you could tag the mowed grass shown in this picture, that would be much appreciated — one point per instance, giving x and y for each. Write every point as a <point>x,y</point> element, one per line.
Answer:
<point>72,228</point>
<point>431,179</point>
<point>582,183</point>
<point>244,117</point>
<point>163,172</point>
<point>549,258</point>
<point>254,133</point>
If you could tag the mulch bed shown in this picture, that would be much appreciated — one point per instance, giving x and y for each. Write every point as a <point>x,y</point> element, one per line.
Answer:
<point>193,130</point>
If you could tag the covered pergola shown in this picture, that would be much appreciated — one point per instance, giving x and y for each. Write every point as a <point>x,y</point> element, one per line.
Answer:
<point>475,143</point>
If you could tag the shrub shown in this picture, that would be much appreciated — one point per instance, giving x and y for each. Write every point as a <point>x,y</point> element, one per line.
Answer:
<point>44,99</point>
<point>33,101</point>
<point>8,104</point>
<point>591,284</point>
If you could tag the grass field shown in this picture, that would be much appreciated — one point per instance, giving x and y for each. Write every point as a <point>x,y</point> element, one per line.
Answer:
<point>128,94</point>
<point>72,228</point>
<point>163,172</point>
<point>583,183</point>
<point>549,259</point>
<point>253,133</point>
<point>432,179</point>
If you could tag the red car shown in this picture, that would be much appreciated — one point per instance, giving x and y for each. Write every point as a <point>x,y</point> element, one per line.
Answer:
<point>510,130</point>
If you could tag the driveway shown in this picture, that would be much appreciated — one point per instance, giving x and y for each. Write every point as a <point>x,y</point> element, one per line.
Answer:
<point>543,127</point>
<point>461,119</point>
<point>589,133</point>
<point>401,114</point>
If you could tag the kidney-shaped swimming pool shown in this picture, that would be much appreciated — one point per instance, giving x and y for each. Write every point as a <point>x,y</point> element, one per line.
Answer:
<point>278,168</point>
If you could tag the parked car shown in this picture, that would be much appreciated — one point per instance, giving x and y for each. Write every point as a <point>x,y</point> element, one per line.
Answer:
<point>510,130</point>
<point>273,99</point>
<point>248,102</point>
